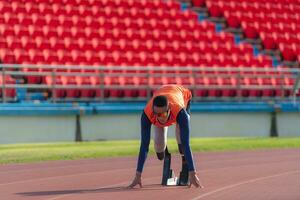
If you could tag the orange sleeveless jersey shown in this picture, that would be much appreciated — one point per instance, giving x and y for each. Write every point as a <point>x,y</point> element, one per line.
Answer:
<point>178,98</point>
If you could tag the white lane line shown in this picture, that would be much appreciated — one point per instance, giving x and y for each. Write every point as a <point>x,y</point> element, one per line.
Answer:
<point>74,175</point>
<point>54,167</point>
<point>87,164</point>
<point>116,170</point>
<point>199,197</point>
<point>97,172</point>
<point>71,175</point>
<point>200,171</point>
<point>244,183</point>
<point>74,165</point>
<point>97,164</point>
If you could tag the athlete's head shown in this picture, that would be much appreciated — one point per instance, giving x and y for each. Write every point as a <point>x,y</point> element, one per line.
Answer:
<point>161,108</point>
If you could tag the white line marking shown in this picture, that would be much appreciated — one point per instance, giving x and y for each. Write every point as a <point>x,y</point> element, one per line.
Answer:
<point>243,183</point>
<point>88,164</point>
<point>74,165</point>
<point>71,175</point>
<point>97,172</point>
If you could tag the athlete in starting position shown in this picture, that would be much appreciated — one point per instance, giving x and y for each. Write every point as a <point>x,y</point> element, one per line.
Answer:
<point>169,105</point>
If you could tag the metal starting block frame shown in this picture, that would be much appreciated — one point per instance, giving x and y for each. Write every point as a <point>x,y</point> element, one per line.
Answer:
<point>168,175</point>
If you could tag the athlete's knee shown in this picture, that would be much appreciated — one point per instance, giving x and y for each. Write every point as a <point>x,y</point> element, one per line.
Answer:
<point>160,155</point>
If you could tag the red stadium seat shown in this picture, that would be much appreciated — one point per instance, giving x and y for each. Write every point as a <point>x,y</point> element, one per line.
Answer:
<point>215,11</point>
<point>269,43</point>
<point>71,92</point>
<point>57,92</point>
<point>198,3</point>
<point>233,22</point>
<point>8,92</point>
<point>87,93</point>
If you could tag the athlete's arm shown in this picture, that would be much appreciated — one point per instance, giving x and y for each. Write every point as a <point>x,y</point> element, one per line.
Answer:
<point>145,140</point>
<point>183,120</point>
<point>144,148</point>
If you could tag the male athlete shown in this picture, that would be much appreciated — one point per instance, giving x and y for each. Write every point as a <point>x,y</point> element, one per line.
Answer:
<point>169,105</point>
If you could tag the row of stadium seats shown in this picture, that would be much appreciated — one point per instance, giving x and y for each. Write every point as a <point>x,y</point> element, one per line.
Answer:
<point>156,81</point>
<point>60,5</point>
<point>112,32</point>
<point>138,59</point>
<point>133,93</point>
<point>39,18</point>
<point>121,44</point>
<point>142,80</point>
<point>133,82</point>
<point>109,10</point>
<point>87,23</point>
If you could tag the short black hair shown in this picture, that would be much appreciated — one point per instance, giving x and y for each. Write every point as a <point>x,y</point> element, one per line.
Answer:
<point>160,101</point>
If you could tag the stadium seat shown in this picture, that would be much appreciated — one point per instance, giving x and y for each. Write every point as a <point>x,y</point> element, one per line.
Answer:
<point>8,92</point>
<point>55,92</point>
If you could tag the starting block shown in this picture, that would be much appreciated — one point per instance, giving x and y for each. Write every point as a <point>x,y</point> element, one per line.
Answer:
<point>168,176</point>
<point>184,174</point>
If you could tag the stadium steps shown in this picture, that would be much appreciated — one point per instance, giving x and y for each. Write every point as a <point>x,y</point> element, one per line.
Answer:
<point>223,24</point>
<point>267,45</point>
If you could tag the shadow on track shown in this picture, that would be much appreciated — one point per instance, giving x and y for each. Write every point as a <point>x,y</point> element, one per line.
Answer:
<point>100,190</point>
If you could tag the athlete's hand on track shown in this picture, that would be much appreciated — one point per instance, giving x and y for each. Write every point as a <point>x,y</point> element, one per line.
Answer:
<point>194,180</point>
<point>136,181</point>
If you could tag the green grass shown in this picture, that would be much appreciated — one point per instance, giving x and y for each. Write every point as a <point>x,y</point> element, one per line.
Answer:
<point>22,153</point>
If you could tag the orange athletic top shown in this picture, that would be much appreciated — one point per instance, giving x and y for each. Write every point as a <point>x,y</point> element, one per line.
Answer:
<point>178,98</point>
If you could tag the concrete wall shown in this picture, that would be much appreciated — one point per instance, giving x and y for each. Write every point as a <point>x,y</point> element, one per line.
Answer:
<point>110,126</point>
<point>24,129</point>
<point>230,124</point>
<point>288,124</point>
<point>113,126</point>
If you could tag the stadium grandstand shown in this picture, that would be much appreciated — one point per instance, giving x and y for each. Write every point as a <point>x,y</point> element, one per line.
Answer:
<point>99,51</point>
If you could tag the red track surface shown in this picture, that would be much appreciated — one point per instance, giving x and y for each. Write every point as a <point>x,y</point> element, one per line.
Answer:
<point>259,175</point>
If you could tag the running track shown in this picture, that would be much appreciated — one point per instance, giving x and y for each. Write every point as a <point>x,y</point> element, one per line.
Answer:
<point>259,175</point>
